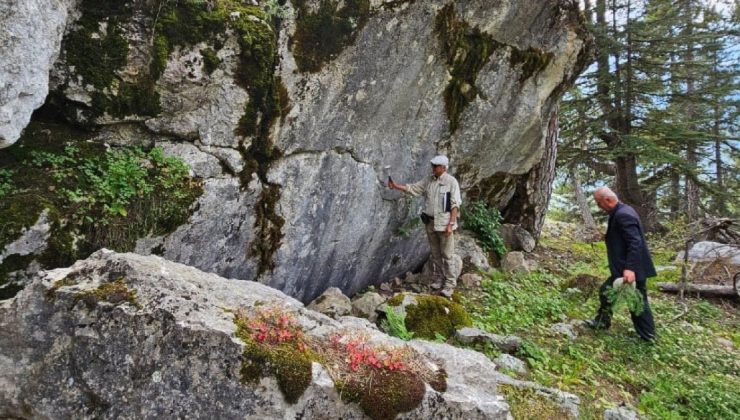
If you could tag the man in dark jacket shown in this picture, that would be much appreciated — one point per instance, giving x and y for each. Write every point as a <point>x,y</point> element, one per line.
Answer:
<point>629,258</point>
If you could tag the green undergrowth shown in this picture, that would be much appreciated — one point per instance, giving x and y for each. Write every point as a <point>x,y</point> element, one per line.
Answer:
<point>95,196</point>
<point>528,404</point>
<point>485,223</point>
<point>687,373</point>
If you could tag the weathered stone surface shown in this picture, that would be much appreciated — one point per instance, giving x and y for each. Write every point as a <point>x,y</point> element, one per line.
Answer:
<point>471,280</point>
<point>214,243</point>
<point>469,250</point>
<point>29,45</point>
<point>174,344</point>
<point>365,306</point>
<point>514,262</point>
<point>619,413</point>
<point>709,251</point>
<point>32,240</point>
<point>564,329</point>
<point>507,344</point>
<point>510,362</point>
<point>379,103</point>
<point>332,303</point>
<point>516,238</point>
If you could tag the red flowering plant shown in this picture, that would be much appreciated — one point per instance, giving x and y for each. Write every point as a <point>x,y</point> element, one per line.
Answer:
<point>273,326</point>
<point>275,345</point>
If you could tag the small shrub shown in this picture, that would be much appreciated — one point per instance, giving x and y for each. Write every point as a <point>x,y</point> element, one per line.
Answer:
<point>486,224</point>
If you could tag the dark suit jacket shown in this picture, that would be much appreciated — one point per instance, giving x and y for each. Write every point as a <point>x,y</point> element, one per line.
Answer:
<point>625,244</point>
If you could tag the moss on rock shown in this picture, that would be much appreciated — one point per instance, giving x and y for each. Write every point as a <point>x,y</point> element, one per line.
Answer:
<point>116,292</point>
<point>320,36</point>
<point>386,394</point>
<point>466,50</point>
<point>432,315</point>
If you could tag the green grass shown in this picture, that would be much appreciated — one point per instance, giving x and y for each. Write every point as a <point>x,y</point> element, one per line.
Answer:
<point>686,374</point>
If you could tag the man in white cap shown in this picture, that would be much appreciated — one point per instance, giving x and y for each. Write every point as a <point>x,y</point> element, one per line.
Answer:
<point>442,195</point>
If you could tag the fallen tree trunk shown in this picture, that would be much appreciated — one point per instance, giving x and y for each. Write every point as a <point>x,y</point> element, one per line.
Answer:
<point>703,290</point>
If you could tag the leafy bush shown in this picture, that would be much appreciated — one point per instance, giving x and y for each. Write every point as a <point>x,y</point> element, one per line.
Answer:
<point>486,224</point>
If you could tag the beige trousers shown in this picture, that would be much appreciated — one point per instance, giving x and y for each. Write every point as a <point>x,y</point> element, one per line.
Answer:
<point>443,250</point>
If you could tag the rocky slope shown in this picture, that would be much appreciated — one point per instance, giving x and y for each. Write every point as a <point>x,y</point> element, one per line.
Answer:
<point>130,336</point>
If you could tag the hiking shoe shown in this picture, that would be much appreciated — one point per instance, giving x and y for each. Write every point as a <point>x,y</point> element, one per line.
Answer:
<point>447,292</point>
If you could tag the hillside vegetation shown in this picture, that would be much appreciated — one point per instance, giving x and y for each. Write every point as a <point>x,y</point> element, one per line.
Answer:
<point>693,370</point>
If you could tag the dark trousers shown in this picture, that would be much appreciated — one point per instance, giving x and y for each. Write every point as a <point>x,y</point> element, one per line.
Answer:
<point>644,323</point>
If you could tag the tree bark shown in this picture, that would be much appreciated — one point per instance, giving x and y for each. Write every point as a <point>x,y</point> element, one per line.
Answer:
<point>704,290</point>
<point>583,208</point>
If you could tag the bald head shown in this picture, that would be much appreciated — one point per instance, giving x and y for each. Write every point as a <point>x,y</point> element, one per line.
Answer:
<point>605,198</point>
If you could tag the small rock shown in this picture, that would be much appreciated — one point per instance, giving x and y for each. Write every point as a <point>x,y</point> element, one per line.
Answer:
<point>397,282</point>
<point>471,280</point>
<point>514,262</point>
<point>365,306</point>
<point>727,344</point>
<point>572,291</point>
<point>386,287</point>
<point>516,238</point>
<point>564,329</point>
<point>619,413</point>
<point>332,303</point>
<point>510,362</point>
<point>506,344</point>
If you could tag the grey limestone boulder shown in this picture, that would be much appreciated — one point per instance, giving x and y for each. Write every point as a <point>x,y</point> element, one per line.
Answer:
<point>515,262</point>
<point>619,413</point>
<point>510,362</point>
<point>365,305</point>
<point>516,238</point>
<point>163,344</point>
<point>565,330</point>
<point>332,303</point>
<point>507,344</point>
<point>29,45</point>
<point>710,251</point>
<point>301,204</point>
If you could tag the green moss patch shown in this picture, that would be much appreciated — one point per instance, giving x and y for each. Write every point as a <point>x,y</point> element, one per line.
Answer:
<point>320,36</point>
<point>97,50</point>
<point>116,292</point>
<point>528,404</point>
<point>390,393</point>
<point>433,315</point>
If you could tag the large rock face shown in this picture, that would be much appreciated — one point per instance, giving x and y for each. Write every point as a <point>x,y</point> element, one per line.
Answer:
<point>295,136</point>
<point>171,351</point>
<point>29,45</point>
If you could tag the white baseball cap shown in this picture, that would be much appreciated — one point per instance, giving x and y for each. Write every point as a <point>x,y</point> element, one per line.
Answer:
<point>440,160</point>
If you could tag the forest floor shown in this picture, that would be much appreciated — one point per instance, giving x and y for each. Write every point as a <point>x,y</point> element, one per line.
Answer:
<point>692,371</point>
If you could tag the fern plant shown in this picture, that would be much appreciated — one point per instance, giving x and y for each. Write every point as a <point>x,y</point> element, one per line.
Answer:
<point>395,325</point>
